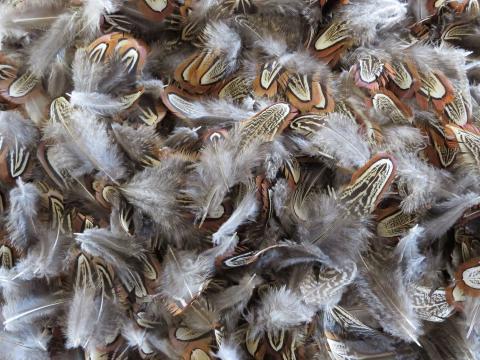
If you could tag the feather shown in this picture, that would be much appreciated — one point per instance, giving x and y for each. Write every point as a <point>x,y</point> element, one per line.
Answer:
<point>443,215</point>
<point>395,313</point>
<point>185,275</point>
<point>116,249</point>
<point>223,158</point>
<point>191,109</point>
<point>245,211</point>
<point>276,157</point>
<point>236,297</point>
<point>402,139</point>
<point>24,206</point>
<point>97,103</point>
<point>341,139</point>
<point>369,18</point>
<point>59,79</point>
<point>17,21</point>
<point>136,337</point>
<point>46,258</point>
<point>59,36</point>
<point>97,77</point>
<point>29,343</point>
<point>124,253</point>
<point>327,221</point>
<point>20,312</point>
<point>279,6</point>
<point>229,351</point>
<point>13,127</point>
<point>157,192</point>
<point>326,289</point>
<point>221,38</point>
<point>92,12</point>
<point>448,60</point>
<point>408,253</point>
<point>83,145</point>
<point>423,184</point>
<point>294,61</point>
<point>91,321</point>
<point>138,143</point>
<point>472,312</point>
<point>448,341</point>
<point>280,309</point>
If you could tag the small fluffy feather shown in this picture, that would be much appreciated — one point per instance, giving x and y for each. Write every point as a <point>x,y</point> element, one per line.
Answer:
<point>14,127</point>
<point>408,253</point>
<point>24,206</point>
<point>236,297</point>
<point>84,145</point>
<point>221,166</point>
<point>222,38</point>
<point>367,18</point>
<point>280,309</point>
<point>60,35</point>
<point>423,183</point>
<point>444,214</point>
<point>184,275</point>
<point>229,351</point>
<point>326,222</point>
<point>379,288</point>
<point>245,211</point>
<point>341,138</point>
<point>218,108</point>
<point>136,337</point>
<point>46,258</point>
<point>136,142</point>
<point>279,6</point>
<point>26,344</point>
<point>117,249</point>
<point>92,12</point>
<point>402,138</point>
<point>17,313</point>
<point>109,78</point>
<point>157,191</point>
<point>90,320</point>
<point>97,103</point>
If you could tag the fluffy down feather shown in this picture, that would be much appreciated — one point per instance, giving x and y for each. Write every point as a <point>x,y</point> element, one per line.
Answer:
<point>84,145</point>
<point>341,139</point>
<point>184,275</point>
<point>157,192</point>
<point>91,320</point>
<point>423,183</point>
<point>369,18</point>
<point>14,127</point>
<point>24,206</point>
<point>280,309</point>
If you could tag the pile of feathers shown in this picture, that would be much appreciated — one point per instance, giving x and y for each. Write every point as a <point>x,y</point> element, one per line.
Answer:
<point>239,179</point>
